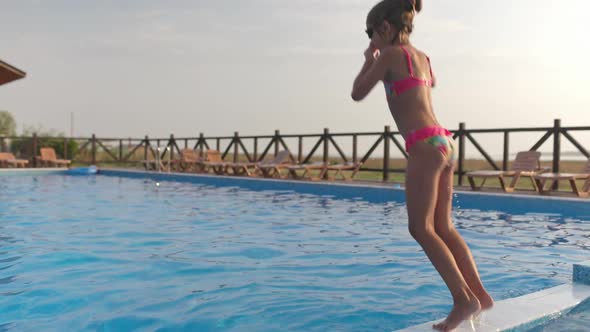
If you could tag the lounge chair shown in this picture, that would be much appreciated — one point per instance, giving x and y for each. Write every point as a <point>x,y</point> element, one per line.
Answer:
<point>261,167</point>
<point>307,171</point>
<point>157,164</point>
<point>214,162</point>
<point>244,168</point>
<point>7,159</point>
<point>526,164</point>
<point>272,169</point>
<point>189,161</point>
<point>48,158</point>
<point>354,167</point>
<point>541,179</point>
<point>152,165</point>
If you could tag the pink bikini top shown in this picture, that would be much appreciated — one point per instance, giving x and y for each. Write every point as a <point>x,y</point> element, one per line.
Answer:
<point>399,87</point>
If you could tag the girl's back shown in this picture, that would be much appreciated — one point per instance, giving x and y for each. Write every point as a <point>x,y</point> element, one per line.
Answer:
<point>408,80</point>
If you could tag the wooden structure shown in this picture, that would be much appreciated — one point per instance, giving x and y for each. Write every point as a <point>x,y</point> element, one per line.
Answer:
<point>9,73</point>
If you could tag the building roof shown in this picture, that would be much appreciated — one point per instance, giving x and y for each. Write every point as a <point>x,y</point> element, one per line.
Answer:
<point>9,73</point>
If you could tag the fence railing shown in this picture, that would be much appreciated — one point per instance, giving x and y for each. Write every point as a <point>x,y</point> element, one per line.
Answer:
<point>256,148</point>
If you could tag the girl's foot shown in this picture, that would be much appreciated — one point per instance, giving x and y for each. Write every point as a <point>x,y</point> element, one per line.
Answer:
<point>461,311</point>
<point>485,300</point>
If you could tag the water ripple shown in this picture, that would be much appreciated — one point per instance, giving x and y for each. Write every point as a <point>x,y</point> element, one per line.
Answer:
<point>123,254</point>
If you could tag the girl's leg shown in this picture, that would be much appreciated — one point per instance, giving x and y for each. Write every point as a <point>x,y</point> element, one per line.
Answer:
<point>444,227</point>
<point>422,179</point>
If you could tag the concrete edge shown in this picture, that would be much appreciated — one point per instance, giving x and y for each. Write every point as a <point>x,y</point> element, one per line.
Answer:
<point>528,311</point>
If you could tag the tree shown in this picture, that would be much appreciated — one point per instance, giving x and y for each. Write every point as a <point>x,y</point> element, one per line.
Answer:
<point>45,138</point>
<point>7,124</point>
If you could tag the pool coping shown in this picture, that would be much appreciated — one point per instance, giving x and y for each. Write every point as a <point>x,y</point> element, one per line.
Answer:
<point>33,170</point>
<point>388,186</point>
<point>376,185</point>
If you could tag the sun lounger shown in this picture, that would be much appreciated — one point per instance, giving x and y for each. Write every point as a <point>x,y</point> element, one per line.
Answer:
<point>307,171</point>
<point>354,167</point>
<point>541,180</point>
<point>48,158</point>
<point>214,162</point>
<point>189,161</point>
<point>244,168</point>
<point>526,164</point>
<point>152,165</point>
<point>272,169</point>
<point>7,159</point>
<point>267,168</point>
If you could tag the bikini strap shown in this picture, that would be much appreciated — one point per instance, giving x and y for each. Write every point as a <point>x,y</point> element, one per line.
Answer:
<point>410,67</point>
<point>430,67</point>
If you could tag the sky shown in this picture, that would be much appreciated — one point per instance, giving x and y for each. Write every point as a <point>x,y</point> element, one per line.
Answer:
<point>129,68</point>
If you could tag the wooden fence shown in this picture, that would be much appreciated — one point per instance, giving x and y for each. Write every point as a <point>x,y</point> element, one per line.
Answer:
<point>256,148</point>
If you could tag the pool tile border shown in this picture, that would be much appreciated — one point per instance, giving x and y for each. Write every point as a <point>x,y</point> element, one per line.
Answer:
<point>388,186</point>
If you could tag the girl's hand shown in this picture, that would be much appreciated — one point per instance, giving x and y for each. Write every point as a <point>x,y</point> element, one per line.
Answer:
<point>371,53</point>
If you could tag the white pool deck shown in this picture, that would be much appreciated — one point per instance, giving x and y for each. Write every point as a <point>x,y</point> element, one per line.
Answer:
<point>527,310</point>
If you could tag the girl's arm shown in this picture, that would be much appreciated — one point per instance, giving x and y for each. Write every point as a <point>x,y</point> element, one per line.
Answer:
<point>372,72</point>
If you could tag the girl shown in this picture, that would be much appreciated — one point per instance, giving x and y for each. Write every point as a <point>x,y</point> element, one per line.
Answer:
<point>408,79</point>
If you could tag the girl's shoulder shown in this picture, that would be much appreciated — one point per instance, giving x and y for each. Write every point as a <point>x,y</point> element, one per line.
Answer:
<point>394,50</point>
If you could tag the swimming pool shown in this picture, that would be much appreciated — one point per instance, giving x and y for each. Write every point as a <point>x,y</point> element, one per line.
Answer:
<point>116,252</point>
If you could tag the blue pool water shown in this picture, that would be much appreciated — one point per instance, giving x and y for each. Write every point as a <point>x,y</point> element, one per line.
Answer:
<point>110,253</point>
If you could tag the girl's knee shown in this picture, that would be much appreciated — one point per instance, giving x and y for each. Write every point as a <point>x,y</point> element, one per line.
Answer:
<point>420,232</point>
<point>444,229</point>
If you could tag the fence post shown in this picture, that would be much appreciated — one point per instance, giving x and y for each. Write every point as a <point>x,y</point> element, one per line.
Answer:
<point>201,144</point>
<point>145,148</point>
<point>120,150</point>
<point>300,149</point>
<point>354,148</point>
<point>34,150</point>
<point>171,145</point>
<point>236,141</point>
<point>556,149</point>
<point>461,152</point>
<point>93,149</point>
<point>386,135</point>
<point>325,140</point>
<point>277,135</point>
<point>158,150</point>
<point>255,148</point>
<point>506,150</point>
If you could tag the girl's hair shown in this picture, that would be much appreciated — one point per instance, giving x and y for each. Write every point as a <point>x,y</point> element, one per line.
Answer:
<point>399,13</point>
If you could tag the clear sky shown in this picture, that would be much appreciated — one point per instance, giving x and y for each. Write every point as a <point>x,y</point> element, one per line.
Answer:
<point>136,67</point>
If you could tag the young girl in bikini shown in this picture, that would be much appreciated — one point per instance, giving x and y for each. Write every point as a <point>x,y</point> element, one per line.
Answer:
<point>408,79</point>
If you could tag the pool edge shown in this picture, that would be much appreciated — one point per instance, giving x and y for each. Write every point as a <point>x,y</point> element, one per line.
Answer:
<point>531,310</point>
<point>32,171</point>
<point>384,186</point>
